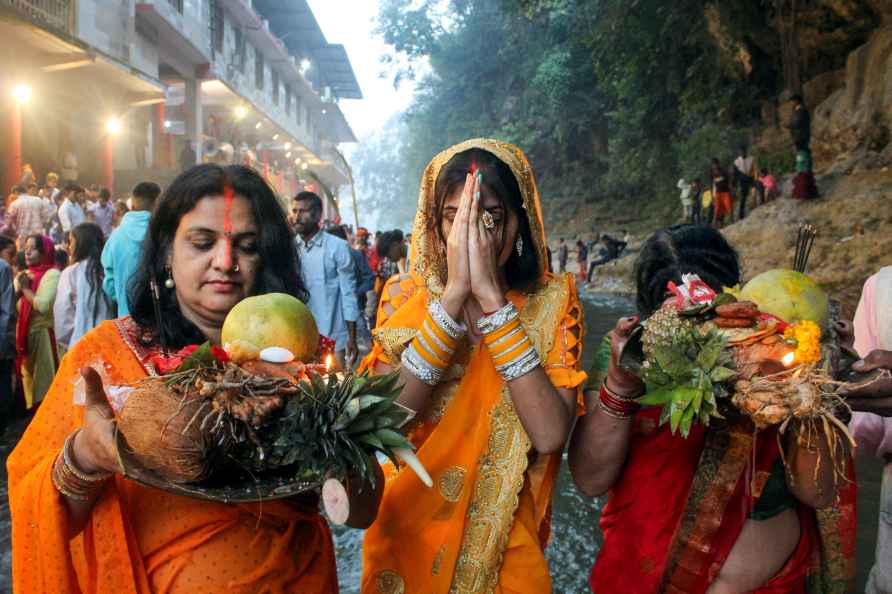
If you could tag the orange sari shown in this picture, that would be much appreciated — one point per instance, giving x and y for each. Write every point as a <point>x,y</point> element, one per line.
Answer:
<point>484,524</point>
<point>141,540</point>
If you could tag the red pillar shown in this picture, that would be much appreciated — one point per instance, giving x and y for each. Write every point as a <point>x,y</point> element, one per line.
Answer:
<point>108,171</point>
<point>14,167</point>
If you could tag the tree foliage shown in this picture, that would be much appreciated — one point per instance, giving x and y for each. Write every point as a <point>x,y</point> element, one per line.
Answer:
<point>612,100</point>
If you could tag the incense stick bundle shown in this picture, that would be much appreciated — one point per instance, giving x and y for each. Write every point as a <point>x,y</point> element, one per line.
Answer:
<point>805,239</point>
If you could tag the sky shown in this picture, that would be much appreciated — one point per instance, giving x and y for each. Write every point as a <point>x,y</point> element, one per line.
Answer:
<point>350,22</point>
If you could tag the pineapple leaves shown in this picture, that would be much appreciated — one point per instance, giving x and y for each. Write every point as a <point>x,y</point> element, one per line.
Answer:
<point>686,370</point>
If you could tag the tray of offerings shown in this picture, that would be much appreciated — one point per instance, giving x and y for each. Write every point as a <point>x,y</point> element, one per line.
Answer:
<point>231,487</point>
<point>251,422</point>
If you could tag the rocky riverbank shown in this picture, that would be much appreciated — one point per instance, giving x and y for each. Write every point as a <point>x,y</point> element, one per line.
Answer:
<point>854,222</point>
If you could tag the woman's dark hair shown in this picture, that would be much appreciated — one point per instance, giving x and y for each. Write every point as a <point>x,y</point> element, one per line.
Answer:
<point>277,270</point>
<point>88,244</point>
<point>6,241</point>
<point>386,240</point>
<point>682,249</point>
<point>60,257</point>
<point>521,271</point>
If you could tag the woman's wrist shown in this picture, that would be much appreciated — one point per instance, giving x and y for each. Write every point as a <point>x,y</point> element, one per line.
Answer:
<point>624,387</point>
<point>492,303</point>
<point>81,456</point>
<point>453,300</point>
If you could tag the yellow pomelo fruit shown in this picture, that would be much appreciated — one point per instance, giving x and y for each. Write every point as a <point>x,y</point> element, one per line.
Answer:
<point>789,295</point>
<point>273,320</point>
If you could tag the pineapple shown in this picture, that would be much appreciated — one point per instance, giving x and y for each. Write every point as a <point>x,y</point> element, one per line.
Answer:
<point>686,369</point>
<point>663,329</point>
<point>329,427</point>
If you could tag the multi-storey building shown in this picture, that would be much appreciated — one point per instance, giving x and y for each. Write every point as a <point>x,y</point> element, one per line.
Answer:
<point>119,90</point>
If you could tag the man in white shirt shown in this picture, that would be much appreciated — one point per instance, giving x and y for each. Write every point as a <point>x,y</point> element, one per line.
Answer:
<point>102,212</point>
<point>744,173</point>
<point>71,213</point>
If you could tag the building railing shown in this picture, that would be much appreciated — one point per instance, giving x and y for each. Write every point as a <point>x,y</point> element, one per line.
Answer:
<point>53,14</point>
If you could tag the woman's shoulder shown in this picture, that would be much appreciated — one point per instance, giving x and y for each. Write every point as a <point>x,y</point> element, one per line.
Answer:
<point>108,342</point>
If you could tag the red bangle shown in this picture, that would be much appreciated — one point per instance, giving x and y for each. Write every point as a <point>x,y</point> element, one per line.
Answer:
<point>614,406</point>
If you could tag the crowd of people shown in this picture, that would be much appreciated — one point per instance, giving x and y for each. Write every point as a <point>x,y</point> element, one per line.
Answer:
<point>488,344</point>
<point>61,246</point>
<point>730,192</point>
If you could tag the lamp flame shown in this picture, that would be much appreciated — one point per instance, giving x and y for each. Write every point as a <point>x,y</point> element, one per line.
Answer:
<point>329,362</point>
<point>788,359</point>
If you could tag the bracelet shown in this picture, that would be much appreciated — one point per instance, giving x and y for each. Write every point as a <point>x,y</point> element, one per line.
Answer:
<point>73,482</point>
<point>512,352</point>
<point>614,405</point>
<point>428,356</point>
<point>492,322</point>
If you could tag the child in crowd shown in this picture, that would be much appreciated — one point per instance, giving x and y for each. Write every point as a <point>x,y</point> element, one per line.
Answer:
<point>769,185</point>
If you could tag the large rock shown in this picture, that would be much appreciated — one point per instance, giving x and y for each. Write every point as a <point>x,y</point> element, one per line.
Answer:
<point>855,115</point>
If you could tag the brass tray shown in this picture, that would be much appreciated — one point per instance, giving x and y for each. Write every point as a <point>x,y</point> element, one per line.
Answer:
<point>234,487</point>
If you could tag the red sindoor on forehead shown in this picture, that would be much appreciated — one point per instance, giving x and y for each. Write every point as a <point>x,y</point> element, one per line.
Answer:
<point>229,197</point>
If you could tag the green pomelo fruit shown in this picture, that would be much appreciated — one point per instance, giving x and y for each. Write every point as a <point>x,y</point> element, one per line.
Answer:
<point>273,320</point>
<point>789,295</point>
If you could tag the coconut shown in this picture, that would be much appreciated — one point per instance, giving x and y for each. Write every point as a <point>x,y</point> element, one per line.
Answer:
<point>164,431</point>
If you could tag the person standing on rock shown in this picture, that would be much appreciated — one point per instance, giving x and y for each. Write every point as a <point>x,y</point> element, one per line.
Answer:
<point>745,175</point>
<point>800,125</point>
<point>563,255</point>
<point>721,193</point>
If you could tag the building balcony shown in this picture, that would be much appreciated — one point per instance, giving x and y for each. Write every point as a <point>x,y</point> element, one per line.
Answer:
<point>55,15</point>
<point>182,28</point>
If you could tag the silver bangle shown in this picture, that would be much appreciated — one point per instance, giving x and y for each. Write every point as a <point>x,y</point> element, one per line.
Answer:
<point>420,368</point>
<point>491,323</point>
<point>438,313</point>
<point>520,366</point>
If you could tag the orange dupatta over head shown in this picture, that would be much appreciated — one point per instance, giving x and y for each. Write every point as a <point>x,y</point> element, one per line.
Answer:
<point>488,510</point>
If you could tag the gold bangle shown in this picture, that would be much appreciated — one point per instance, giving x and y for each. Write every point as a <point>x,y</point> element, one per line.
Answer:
<point>71,467</point>
<point>69,485</point>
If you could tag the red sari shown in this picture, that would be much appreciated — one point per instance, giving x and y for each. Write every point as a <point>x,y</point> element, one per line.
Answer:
<point>680,505</point>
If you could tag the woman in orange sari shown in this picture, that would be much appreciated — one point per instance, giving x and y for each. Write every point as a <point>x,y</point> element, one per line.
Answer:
<point>217,236</point>
<point>488,344</point>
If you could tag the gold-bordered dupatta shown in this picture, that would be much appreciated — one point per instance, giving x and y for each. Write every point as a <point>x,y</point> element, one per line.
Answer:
<point>453,538</point>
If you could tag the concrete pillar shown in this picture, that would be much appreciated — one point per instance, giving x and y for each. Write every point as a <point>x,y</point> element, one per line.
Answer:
<point>108,167</point>
<point>161,157</point>
<point>194,117</point>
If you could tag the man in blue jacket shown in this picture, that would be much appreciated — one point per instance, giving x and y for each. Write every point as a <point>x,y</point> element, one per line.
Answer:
<point>123,250</point>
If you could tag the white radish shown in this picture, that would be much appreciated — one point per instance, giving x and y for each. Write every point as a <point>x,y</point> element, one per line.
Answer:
<point>412,461</point>
<point>276,354</point>
<point>335,501</point>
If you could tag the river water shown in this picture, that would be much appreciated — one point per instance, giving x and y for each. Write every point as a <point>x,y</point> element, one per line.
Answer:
<point>576,538</point>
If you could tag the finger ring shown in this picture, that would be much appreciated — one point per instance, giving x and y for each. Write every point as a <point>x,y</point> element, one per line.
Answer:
<point>488,222</point>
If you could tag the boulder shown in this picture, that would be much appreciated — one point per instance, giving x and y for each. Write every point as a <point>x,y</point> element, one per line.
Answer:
<point>850,117</point>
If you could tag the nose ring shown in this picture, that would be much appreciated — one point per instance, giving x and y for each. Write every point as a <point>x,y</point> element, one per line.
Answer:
<point>235,268</point>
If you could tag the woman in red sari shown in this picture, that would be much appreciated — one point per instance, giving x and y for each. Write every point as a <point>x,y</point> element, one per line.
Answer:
<point>715,512</point>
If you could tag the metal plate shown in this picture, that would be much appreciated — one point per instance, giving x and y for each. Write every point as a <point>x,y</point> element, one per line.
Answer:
<point>234,487</point>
